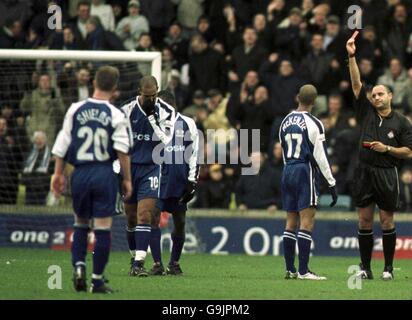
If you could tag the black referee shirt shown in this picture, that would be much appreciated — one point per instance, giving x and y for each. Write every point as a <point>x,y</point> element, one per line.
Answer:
<point>394,130</point>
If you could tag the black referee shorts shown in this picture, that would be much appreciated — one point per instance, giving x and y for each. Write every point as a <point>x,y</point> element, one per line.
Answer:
<point>376,185</point>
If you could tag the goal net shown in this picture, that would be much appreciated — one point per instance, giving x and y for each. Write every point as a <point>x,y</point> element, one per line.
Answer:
<point>36,89</point>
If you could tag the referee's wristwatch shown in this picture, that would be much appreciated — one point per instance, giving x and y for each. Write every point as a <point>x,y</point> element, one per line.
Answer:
<point>388,149</point>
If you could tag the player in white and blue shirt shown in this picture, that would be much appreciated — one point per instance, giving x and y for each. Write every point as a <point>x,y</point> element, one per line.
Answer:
<point>302,137</point>
<point>94,134</point>
<point>180,170</point>
<point>146,173</point>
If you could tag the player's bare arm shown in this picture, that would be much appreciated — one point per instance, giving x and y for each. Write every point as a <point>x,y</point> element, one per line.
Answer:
<point>57,181</point>
<point>353,67</point>
<point>400,153</point>
<point>124,160</point>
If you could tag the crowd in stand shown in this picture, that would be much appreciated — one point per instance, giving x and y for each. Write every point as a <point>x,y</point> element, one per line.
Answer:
<point>230,63</point>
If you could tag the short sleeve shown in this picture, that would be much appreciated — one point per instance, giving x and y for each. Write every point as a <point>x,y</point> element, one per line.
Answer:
<point>362,106</point>
<point>405,139</point>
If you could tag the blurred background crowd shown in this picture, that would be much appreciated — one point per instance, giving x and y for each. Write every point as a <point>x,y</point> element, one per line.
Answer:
<point>231,64</point>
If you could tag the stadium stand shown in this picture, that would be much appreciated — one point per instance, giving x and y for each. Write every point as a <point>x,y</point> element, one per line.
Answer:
<point>230,64</point>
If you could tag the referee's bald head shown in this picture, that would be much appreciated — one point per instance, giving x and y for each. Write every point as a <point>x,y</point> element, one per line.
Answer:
<point>307,95</point>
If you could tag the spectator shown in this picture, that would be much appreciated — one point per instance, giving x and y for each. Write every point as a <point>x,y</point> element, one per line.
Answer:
<point>246,57</point>
<point>232,36</point>
<point>100,39</point>
<point>79,22</point>
<point>36,172</point>
<point>8,172</point>
<point>396,78</point>
<point>336,119</point>
<point>204,29</point>
<point>397,32</point>
<point>344,158</point>
<point>160,14</point>
<point>277,165</point>
<point>258,191</point>
<point>307,7</point>
<point>44,109</point>
<point>213,192</point>
<point>105,14</point>
<point>11,36</point>
<point>198,109</point>
<point>216,106</point>
<point>289,41</point>
<point>407,99</point>
<point>168,64</point>
<point>283,86</point>
<point>180,92</point>
<point>206,67</point>
<point>257,114</point>
<point>264,34</point>
<point>406,190</point>
<point>318,22</point>
<point>118,11</point>
<point>74,85</point>
<point>188,13</point>
<point>245,94</point>
<point>65,40</point>
<point>333,39</point>
<point>368,72</point>
<point>322,70</point>
<point>145,44</point>
<point>276,12</point>
<point>178,45</point>
<point>370,47</point>
<point>131,27</point>
<point>16,129</point>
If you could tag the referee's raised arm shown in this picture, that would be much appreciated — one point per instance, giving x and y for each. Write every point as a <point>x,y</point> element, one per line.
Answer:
<point>353,67</point>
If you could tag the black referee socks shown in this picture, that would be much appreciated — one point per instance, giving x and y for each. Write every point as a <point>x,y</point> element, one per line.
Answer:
<point>389,244</point>
<point>365,238</point>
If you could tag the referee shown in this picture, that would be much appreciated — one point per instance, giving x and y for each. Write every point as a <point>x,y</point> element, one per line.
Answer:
<point>386,139</point>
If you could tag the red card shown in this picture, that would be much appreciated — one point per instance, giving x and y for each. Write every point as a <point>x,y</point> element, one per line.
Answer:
<point>355,34</point>
<point>366,144</point>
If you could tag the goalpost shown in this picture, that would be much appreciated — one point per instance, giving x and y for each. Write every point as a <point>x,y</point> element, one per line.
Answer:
<point>36,89</point>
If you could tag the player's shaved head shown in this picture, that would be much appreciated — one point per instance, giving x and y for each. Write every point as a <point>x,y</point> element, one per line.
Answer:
<point>107,78</point>
<point>388,90</point>
<point>307,95</point>
<point>148,82</point>
<point>167,97</point>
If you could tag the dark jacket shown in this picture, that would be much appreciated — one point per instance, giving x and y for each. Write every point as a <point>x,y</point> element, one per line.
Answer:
<point>214,194</point>
<point>282,91</point>
<point>242,62</point>
<point>101,39</point>
<point>258,191</point>
<point>207,70</point>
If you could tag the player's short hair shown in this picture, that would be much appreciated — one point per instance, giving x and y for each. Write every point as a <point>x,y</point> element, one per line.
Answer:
<point>107,78</point>
<point>147,81</point>
<point>168,97</point>
<point>387,88</point>
<point>307,95</point>
<point>83,3</point>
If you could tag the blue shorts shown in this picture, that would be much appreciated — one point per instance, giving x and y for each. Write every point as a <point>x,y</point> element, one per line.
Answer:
<point>299,187</point>
<point>145,181</point>
<point>171,205</point>
<point>95,191</point>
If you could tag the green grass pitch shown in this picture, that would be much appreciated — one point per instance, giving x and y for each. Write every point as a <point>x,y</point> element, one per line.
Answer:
<point>24,276</point>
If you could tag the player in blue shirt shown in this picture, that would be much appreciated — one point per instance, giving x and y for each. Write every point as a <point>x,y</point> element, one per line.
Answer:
<point>146,173</point>
<point>302,137</point>
<point>94,134</point>
<point>179,178</point>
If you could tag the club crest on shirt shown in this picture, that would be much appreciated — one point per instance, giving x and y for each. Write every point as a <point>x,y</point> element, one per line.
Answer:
<point>391,135</point>
<point>179,133</point>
